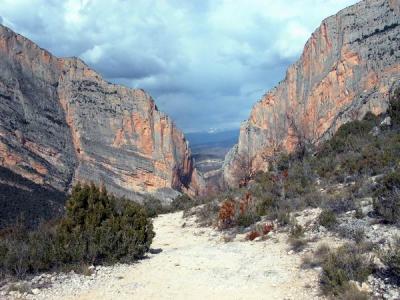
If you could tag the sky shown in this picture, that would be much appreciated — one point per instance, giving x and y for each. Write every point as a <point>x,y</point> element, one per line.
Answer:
<point>205,62</point>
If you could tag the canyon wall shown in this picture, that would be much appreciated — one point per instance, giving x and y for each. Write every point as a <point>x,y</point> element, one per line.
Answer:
<point>60,122</point>
<point>347,68</point>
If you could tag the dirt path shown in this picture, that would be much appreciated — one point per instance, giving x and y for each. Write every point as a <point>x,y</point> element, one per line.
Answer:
<point>194,263</point>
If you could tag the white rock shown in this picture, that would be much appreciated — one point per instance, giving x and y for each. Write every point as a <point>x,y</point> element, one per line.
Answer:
<point>375,131</point>
<point>387,121</point>
<point>35,291</point>
<point>365,288</point>
<point>318,269</point>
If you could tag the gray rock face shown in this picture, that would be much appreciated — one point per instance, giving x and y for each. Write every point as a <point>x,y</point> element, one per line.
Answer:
<point>120,137</point>
<point>348,68</point>
<point>61,122</point>
<point>35,140</point>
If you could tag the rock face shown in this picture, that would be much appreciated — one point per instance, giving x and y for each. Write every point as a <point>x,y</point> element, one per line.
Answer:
<point>348,68</point>
<point>61,122</point>
<point>35,140</point>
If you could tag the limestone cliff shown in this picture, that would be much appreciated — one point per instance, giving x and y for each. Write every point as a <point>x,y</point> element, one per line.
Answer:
<point>347,68</point>
<point>61,122</point>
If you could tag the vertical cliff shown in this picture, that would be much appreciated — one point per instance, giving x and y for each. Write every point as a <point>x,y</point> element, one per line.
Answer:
<point>347,69</point>
<point>120,137</point>
<point>35,140</point>
<point>61,122</point>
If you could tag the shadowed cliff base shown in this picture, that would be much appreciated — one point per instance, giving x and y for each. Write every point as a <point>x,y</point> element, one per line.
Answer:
<point>27,201</point>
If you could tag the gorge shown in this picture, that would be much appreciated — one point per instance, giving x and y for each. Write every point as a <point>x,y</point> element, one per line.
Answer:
<point>102,196</point>
<point>61,123</point>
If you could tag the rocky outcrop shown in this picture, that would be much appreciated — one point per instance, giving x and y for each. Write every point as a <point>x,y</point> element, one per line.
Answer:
<point>347,69</point>
<point>60,122</point>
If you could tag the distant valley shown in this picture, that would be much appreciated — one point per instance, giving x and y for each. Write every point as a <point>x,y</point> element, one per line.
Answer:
<point>209,149</point>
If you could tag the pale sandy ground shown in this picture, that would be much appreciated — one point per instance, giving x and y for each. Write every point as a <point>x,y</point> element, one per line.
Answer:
<point>196,264</point>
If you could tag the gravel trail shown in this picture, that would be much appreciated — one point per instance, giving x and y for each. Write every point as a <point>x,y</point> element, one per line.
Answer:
<point>188,262</point>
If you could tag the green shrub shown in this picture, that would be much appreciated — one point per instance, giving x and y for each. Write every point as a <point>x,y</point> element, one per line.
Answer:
<point>341,142</point>
<point>153,206</point>
<point>283,162</point>
<point>339,267</point>
<point>354,151</point>
<point>351,292</point>
<point>208,213</point>
<point>394,107</point>
<point>346,137</point>
<point>182,202</point>
<point>266,204</point>
<point>97,228</point>
<point>391,258</point>
<point>339,201</point>
<point>284,218</point>
<point>296,239</point>
<point>359,213</point>
<point>23,251</point>
<point>327,219</point>
<point>247,218</point>
<point>312,199</point>
<point>319,256</point>
<point>297,244</point>
<point>387,198</point>
<point>297,231</point>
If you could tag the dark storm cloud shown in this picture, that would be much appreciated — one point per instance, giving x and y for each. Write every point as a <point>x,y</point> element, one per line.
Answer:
<point>120,65</point>
<point>205,62</point>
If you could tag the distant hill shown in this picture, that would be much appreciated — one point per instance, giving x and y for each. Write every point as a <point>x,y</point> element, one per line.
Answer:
<point>221,138</point>
<point>208,152</point>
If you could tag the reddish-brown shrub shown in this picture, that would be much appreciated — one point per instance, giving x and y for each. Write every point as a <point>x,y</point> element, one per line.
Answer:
<point>226,214</point>
<point>252,235</point>
<point>244,203</point>
<point>268,228</point>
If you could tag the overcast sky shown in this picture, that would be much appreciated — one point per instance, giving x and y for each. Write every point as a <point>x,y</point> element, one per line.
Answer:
<point>205,62</point>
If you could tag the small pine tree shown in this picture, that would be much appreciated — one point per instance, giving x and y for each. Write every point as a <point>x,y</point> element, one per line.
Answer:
<point>394,107</point>
<point>99,227</point>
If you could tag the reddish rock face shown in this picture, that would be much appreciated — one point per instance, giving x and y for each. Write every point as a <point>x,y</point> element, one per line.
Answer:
<point>61,122</point>
<point>347,69</point>
<point>120,137</point>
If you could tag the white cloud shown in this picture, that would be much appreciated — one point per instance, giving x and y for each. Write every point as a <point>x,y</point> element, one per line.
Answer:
<point>205,62</point>
<point>93,55</point>
<point>295,35</point>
